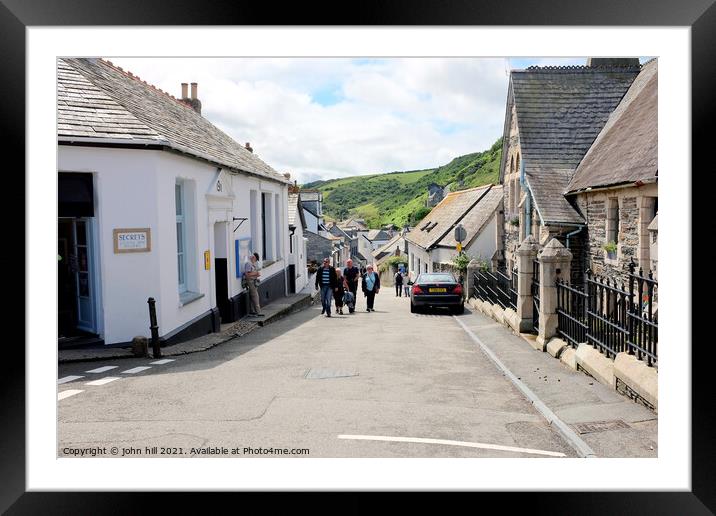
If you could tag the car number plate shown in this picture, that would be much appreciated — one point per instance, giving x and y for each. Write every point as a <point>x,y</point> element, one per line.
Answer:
<point>437,290</point>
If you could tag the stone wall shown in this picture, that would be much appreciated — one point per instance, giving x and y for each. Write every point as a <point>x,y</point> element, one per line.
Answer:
<point>635,207</point>
<point>317,247</point>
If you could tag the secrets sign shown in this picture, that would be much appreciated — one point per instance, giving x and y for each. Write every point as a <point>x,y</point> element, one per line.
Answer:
<point>132,240</point>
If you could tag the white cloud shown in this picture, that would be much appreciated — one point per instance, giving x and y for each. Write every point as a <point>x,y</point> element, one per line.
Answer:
<point>325,118</point>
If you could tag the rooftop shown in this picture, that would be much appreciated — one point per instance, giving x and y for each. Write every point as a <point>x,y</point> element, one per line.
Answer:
<point>99,102</point>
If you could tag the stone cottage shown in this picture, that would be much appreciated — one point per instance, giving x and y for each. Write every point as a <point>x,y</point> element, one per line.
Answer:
<point>553,116</point>
<point>615,185</point>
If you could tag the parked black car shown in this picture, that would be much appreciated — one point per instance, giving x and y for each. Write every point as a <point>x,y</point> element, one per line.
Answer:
<point>437,289</point>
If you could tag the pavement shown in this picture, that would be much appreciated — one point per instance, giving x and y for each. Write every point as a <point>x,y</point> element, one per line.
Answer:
<point>381,384</point>
<point>272,312</point>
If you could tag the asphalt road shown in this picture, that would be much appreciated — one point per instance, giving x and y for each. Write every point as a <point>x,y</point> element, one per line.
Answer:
<point>381,384</point>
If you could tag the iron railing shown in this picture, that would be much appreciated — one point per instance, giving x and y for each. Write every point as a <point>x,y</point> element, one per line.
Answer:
<point>611,317</point>
<point>497,287</point>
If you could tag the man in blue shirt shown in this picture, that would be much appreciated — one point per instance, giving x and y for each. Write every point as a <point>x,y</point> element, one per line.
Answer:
<point>328,281</point>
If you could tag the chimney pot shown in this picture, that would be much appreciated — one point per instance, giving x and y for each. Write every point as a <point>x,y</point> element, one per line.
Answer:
<point>184,90</point>
<point>193,90</point>
<point>248,147</point>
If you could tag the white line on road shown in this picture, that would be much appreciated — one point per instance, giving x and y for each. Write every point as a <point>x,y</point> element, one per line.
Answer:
<point>102,369</point>
<point>66,394</point>
<point>451,443</point>
<point>68,379</point>
<point>135,370</point>
<point>162,361</point>
<point>103,381</point>
<point>570,435</point>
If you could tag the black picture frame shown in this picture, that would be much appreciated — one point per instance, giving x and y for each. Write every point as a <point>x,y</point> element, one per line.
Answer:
<point>699,15</point>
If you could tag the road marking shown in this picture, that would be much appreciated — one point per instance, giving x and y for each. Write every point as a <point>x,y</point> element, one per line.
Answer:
<point>570,435</point>
<point>68,379</point>
<point>451,443</point>
<point>103,381</point>
<point>102,369</point>
<point>162,361</point>
<point>135,370</point>
<point>66,394</point>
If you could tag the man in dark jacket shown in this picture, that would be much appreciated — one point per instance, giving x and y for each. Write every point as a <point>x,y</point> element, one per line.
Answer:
<point>351,274</point>
<point>327,280</point>
<point>398,284</point>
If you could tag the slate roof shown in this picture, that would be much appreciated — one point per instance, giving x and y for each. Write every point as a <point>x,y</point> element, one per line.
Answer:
<point>560,111</point>
<point>454,208</point>
<point>386,247</point>
<point>294,208</point>
<point>97,101</point>
<point>626,149</point>
<point>476,219</point>
<point>377,234</point>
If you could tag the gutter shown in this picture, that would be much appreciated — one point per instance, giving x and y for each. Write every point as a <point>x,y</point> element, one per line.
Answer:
<point>636,184</point>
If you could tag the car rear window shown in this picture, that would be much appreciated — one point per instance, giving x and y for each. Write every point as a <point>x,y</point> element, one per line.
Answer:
<point>436,278</point>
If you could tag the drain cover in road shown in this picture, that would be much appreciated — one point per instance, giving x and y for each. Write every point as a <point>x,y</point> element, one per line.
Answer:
<point>319,374</point>
<point>600,426</point>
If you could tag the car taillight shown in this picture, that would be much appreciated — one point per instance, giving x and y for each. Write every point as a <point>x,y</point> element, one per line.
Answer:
<point>457,289</point>
<point>417,290</point>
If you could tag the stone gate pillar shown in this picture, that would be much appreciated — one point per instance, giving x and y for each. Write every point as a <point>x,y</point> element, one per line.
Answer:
<point>472,268</point>
<point>555,263</point>
<point>526,254</point>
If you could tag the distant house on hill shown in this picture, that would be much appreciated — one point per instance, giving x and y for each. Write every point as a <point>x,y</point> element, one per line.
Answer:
<point>553,115</point>
<point>432,245</point>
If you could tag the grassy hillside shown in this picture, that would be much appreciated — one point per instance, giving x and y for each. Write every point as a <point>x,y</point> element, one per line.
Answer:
<point>399,197</point>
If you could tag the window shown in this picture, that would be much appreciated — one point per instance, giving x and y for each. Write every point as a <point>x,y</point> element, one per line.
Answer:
<point>181,235</point>
<point>613,220</point>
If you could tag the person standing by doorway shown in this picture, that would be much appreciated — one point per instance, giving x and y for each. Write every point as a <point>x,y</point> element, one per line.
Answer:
<point>327,281</point>
<point>251,272</point>
<point>351,273</point>
<point>371,286</point>
<point>407,281</point>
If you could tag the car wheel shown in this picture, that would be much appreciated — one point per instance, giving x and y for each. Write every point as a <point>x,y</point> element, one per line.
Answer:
<point>412,308</point>
<point>458,310</point>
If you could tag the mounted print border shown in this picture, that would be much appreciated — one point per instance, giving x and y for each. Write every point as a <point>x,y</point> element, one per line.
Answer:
<point>17,15</point>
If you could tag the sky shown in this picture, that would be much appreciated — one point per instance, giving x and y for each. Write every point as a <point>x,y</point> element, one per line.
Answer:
<point>323,118</point>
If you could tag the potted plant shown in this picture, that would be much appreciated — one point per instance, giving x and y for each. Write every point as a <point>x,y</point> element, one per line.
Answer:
<point>611,249</point>
<point>515,221</point>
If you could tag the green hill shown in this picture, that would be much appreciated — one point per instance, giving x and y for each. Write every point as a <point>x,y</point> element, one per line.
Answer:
<point>399,197</point>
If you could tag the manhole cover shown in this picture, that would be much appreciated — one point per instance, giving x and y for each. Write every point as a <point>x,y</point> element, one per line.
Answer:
<point>600,426</point>
<point>319,374</point>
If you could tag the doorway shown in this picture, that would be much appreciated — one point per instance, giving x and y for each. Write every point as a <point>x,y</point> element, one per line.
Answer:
<point>221,271</point>
<point>75,274</point>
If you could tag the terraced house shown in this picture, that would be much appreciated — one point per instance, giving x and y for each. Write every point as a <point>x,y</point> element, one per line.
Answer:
<point>552,118</point>
<point>156,202</point>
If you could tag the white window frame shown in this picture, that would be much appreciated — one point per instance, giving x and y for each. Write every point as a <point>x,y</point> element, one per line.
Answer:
<point>180,202</point>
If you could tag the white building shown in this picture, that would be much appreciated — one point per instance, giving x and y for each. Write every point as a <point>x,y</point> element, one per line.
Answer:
<point>297,243</point>
<point>431,244</point>
<point>156,202</point>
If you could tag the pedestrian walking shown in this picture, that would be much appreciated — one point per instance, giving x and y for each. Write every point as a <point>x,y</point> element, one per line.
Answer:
<point>338,293</point>
<point>327,281</point>
<point>251,273</point>
<point>351,273</point>
<point>407,281</point>
<point>371,286</point>
<point>398,279</point>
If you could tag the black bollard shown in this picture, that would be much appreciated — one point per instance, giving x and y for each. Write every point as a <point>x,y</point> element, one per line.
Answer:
<point>156,350</point>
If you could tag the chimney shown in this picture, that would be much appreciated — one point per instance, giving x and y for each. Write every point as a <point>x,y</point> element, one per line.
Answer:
<point>287,175</point>
<point>248,147</point>
<point>192,102</point>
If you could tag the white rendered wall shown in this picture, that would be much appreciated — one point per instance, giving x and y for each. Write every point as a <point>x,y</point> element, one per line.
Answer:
<point>135,189</point>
